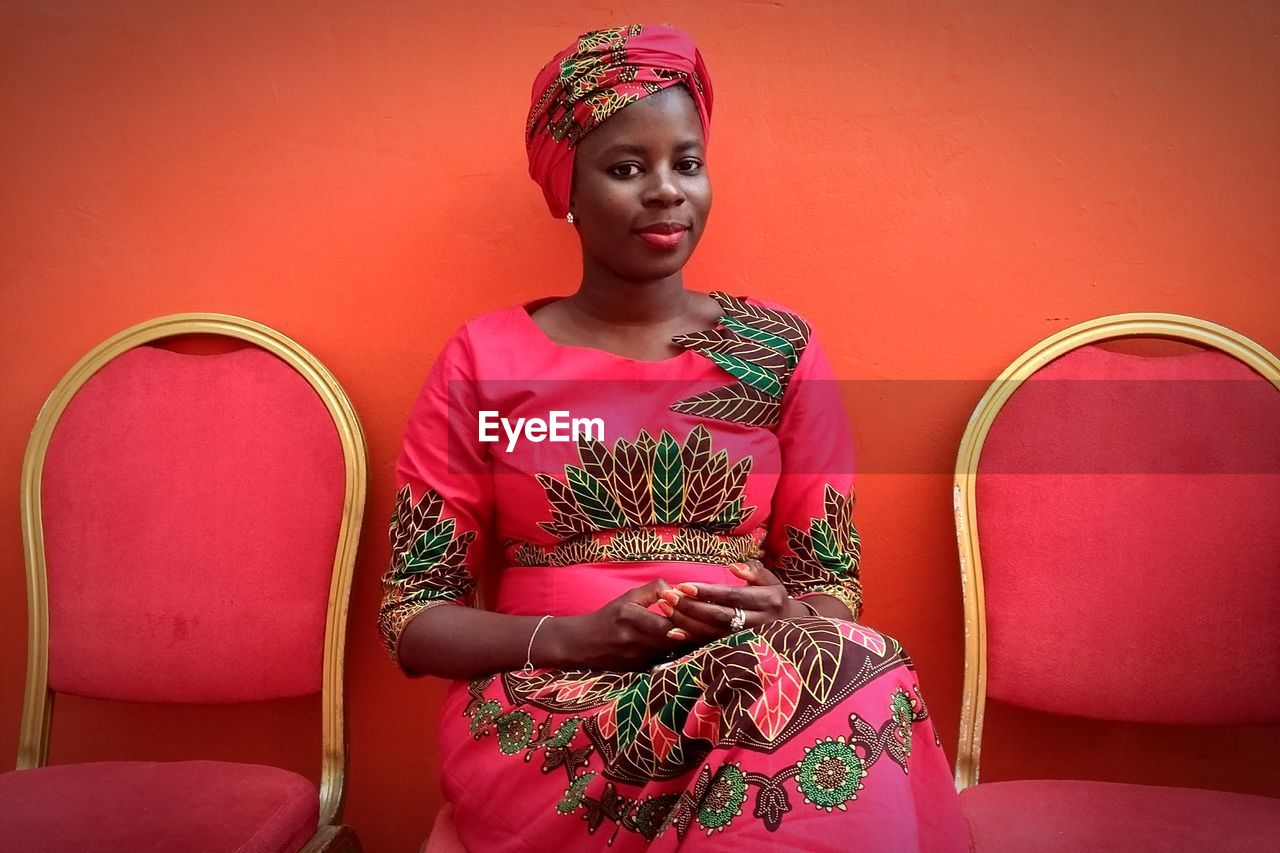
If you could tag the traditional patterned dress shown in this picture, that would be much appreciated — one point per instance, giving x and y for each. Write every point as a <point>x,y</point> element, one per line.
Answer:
<point>805,734</point>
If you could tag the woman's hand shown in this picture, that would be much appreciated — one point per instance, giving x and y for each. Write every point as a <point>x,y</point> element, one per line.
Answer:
<point>704,612</point>
<point>623,634</point>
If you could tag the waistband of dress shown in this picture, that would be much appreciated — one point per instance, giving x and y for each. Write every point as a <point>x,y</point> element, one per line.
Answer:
<point>568,590</point>
<point>656,544</point>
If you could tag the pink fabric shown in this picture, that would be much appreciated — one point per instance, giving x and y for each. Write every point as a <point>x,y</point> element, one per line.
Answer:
<point>1107,817</point>
<point>136,807</point>
<point>444,834</point>
<point>1127,515</point>
<point>601,72</point>
<point>191,508</point>
<point>703,754</point>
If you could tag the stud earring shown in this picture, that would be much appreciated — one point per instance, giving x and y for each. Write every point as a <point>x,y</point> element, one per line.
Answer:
<point>569,217</point>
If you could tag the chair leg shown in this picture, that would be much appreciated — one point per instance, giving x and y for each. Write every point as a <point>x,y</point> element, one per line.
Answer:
<point>333,839</point>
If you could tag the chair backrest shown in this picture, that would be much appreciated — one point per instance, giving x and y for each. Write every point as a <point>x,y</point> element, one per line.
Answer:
<point>1118,518</point>
<point>191,524</point>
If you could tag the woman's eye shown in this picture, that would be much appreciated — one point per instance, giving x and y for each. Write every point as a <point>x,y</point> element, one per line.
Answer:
<point>625,170</point>
<point>689,164</point>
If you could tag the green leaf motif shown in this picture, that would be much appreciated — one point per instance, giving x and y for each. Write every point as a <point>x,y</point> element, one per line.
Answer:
<point>564,735</point>
<point>741,638</point>
<point>769,339</point>
<point>594,499</point>
<point>731,514</point>
<point>676,710</point>
<point>668,480</point>
<point>826,546</point>
<point>429,547</point>
<point>753,375</point>
<point>631,704</point>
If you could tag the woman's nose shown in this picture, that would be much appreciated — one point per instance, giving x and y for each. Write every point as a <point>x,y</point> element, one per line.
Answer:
<point>664,189</point>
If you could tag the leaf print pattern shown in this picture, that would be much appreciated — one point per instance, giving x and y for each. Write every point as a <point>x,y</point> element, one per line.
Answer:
<point>569,517</point>
<point>824,559</point>
<point>668,480</point>
<point>739,347</point>
<point>647,482</point>
<point>737,403</point>
<point>594,499</point>
<point>631,481</point>
<point>758,347</point>
<point>814,649</point>
<point>752,689</point>
<point>705,493</point>
<point>689,545</point>
<point>780,690</point>
<point>596,81</point>
<point>757,377</point>
<point>756,688</point>
<point>428,563</point>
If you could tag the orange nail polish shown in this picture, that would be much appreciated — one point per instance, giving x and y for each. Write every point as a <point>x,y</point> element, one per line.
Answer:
<point>677,634</point>
<point>670,596</point>
<point>688,589</point>
<point>666,608</point>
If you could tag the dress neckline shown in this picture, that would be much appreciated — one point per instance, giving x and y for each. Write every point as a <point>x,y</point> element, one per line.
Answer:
<point>524,310</point>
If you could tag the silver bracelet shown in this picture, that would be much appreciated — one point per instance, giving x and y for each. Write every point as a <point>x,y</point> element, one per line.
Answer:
<point>805,604</point>
<point>528,655</point>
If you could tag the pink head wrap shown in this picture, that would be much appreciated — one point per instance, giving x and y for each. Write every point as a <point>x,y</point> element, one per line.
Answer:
<point>602,72</point>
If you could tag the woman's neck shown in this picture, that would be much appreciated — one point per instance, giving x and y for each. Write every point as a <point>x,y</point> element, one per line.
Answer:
<point>606,298</point>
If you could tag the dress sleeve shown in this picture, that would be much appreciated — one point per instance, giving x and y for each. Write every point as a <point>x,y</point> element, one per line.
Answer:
<point>812,542</point>
<point>444,502</point>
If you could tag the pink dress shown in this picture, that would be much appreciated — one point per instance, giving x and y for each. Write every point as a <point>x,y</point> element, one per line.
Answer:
<point>805,734</point>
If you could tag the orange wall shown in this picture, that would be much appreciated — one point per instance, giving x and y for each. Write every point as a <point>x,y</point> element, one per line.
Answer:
<point>937,184</point>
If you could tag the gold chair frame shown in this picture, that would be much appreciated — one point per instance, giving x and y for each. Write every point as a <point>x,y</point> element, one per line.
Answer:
<point>964,493</point>
<point>33,744</point>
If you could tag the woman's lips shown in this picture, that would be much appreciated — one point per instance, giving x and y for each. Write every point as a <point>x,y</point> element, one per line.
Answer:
<point>662,241</point>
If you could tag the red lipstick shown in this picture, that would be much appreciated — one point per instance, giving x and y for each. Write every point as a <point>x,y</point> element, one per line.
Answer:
<point>663,235</point>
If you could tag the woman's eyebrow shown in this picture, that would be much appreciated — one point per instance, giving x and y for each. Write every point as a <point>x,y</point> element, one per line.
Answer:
<point>624,148</point>
<point>632,148</point>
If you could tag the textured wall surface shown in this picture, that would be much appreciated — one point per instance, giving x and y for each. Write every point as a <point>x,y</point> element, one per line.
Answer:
<point>937,184</point>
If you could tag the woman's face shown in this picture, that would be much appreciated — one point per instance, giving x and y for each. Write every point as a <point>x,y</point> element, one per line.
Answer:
<point>641,192</point>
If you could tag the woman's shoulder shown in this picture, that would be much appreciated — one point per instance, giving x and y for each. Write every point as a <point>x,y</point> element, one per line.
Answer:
<point>478,339</point>
<point>485,331</point>
<point>497,322</point>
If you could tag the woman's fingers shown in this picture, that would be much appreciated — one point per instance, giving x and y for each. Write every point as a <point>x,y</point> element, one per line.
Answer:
<point>647,622</point>
<point>754,573</point>
<point>715,617</point>
<point>647,594</point>
<point>694,627</point>
<point>635,612</point>
<point>669,603</point>
<point>762,600</point>
<point>745,597</point>
<point>698,612</point>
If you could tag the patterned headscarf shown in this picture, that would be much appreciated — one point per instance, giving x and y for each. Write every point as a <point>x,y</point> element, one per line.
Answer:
<point>602,72</point>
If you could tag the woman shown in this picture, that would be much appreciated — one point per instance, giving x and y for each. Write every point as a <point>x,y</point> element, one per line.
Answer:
<point>645,678</point>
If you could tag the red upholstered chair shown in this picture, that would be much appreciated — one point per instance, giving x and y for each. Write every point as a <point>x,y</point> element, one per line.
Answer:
<point>1119,528</point>
<point>190,525</point>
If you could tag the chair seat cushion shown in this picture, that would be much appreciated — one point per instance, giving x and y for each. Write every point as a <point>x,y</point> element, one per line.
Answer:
<point>141,806</point>
<point>1046,815</point>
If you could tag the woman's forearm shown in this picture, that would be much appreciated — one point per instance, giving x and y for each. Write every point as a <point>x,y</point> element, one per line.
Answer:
<point>461,642</point>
